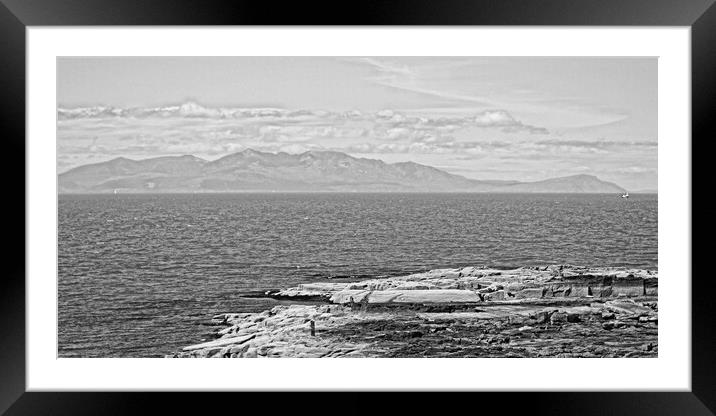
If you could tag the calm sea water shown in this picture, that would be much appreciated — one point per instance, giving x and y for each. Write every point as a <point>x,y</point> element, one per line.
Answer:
<point>139,274</point>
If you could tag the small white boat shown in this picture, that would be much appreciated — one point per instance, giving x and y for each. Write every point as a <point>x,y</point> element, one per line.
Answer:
<point>626,195</point>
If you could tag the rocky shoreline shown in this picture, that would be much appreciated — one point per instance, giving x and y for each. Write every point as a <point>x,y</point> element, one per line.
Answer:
<point>552,311</point>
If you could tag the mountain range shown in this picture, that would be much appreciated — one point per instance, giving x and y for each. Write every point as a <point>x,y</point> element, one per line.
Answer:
<point>313,171</point>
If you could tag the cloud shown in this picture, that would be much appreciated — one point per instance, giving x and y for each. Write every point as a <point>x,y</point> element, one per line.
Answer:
<point>600,144</point>
<point>411,87</point>
<point>635,170</point>
<point>190,111</point>
<point>413,80</point>
<point>84,134</point>
<point>191,128</point>
<point>523,150</point>
<point>468,150</point>
<point>388,68</point>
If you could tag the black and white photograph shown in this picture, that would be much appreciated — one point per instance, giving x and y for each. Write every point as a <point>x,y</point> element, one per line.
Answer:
<point>357,207</point>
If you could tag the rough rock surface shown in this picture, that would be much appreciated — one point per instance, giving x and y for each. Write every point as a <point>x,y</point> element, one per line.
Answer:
<point>284,331</point>
<point>554,311</point>
<point>526,283</point>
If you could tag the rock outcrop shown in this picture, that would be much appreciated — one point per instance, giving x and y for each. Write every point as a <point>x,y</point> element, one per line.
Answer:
<point>555,311</point>
<point>284,331</point>
<point>472,284</point>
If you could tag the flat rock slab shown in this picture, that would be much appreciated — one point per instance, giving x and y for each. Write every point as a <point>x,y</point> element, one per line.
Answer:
<point>405,296</point>
<point>627,307</point>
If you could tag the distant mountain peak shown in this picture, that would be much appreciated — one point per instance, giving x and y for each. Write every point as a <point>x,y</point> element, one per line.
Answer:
<point>581,175</point>
<point>121,159</point>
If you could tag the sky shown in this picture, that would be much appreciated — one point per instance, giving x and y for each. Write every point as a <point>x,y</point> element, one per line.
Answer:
<point>513,118</point>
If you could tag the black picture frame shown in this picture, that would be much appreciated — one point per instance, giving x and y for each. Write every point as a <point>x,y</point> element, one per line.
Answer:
<point>16,15</point>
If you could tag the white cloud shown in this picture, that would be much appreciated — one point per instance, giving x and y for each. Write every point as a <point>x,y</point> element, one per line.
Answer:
<point>635,170</point>
<point>85,135</point>
<point>191,128</point>
<point>388,67</point>
<point>111,116</point>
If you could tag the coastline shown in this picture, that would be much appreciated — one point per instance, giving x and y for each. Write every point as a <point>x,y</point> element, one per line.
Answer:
<point>552,311</point>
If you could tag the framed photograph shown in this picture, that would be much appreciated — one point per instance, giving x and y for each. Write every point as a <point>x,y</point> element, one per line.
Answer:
<point>481,197</point>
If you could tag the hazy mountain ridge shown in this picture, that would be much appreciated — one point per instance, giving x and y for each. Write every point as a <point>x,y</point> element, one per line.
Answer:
<point>316,171</point>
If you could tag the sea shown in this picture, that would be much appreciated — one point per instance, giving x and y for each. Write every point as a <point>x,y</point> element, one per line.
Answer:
<point>141,275</point>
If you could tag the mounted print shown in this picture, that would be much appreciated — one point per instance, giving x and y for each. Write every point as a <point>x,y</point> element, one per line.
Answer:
<point>357,206</point>
<point>485,197</point>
